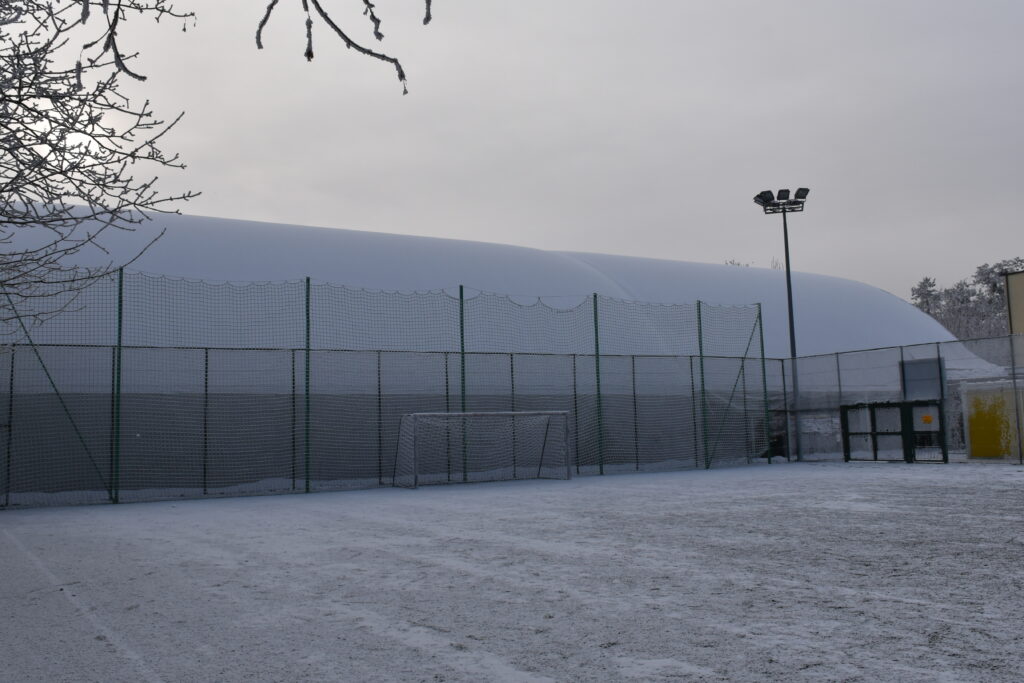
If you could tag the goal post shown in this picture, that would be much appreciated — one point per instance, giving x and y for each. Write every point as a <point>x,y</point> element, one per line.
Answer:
<point>453,448</point>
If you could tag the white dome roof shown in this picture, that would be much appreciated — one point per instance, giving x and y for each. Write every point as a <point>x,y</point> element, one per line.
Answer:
<point>832,314</point>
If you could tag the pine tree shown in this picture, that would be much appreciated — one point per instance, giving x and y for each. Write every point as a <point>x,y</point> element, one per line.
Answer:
<point>971,308</point>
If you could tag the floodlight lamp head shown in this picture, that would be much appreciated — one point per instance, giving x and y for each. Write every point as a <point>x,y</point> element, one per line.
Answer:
<point>783,195</point>
<point>801,193</point>
<point>766,197</point>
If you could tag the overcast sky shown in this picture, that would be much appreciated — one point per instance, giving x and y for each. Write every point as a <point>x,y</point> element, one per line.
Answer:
<point>641,128</point>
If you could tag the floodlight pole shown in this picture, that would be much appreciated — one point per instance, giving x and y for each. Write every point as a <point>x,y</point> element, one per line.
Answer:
<point>792,340</point>
<point>789,287</point>
<point>784,204</point>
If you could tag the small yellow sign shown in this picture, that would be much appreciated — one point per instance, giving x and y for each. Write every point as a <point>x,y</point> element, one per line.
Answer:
<point>927,419</point>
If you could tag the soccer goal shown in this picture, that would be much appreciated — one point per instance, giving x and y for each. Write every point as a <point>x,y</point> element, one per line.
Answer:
<point>454,448</point>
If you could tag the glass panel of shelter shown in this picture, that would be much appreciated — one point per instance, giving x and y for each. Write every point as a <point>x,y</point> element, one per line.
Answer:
<point>889,447</point>
<point>888,419</point>
<point>893,432</point>
<point>859,419</point>
<point>861,447</point>
<point>927,424</point>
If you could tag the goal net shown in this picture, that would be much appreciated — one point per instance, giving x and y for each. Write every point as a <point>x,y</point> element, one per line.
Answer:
<point>451,448</point>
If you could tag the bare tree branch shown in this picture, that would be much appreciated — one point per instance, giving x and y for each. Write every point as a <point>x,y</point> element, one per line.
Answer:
<point>71,144</point>
<point>263,22</point>
<point>359,48</point>
<point>114,12</point>
<point>369,10</point>
<point>75,152</point>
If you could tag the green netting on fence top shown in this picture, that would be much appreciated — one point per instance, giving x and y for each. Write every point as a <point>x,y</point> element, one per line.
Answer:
<point>732,331</point>
<point>628,327</point>
<point>81,316</point>
<point>152,310</point>
<point>161,311</point>
<point>358,319</point>
<point>499,323</point>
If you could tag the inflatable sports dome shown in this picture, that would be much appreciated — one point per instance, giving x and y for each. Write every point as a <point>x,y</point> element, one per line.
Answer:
<point>832,314</point>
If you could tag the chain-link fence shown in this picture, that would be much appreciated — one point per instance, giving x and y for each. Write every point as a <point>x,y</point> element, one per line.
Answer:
<point>150,387</point>
<point>981,383</point>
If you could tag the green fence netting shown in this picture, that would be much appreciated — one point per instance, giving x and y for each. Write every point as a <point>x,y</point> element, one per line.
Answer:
<point>148,387</point>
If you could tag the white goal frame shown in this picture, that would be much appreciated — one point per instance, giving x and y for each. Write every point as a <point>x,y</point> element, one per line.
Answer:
<point>564,414</point>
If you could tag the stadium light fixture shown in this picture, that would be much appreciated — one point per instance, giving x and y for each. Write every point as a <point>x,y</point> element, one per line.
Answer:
<point>782,203</point>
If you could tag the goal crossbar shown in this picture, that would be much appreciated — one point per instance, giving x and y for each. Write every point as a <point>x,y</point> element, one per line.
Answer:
<point>460,447</point>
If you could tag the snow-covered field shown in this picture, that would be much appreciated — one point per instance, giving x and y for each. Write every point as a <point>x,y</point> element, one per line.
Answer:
<point>771,572</point>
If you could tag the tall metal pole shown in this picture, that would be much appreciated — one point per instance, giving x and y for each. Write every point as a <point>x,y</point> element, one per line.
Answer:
<point>10,429</point>
<point>462,380</point>
<point>306,415</point>
<point>764,386</point>
<point>1013,368</point>
<point>206,421</point>
<point>380,423</point>
<point>703,387</point>
<point>115,483</point>
<point>597,379</point>
<point>792,341</point>
<point>1016,399</point>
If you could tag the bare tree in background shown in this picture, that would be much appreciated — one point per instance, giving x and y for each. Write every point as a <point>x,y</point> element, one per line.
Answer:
<point>78,158</point>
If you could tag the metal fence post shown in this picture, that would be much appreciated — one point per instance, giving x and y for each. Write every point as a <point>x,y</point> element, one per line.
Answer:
<point>597,376</point>
<point>785,409</point>
<point>747,441</point>
<point>115,479</point>
<point>576,412</point>
<point>796,408</point>
<point>447,427</point>
<point>693,415</point>
<point>703,387</point>
<point>294,422</point>
<point>462,379</point>
<point>512,385</point>
<point>943,422</point>
<point>1016,399</point>
<point>636,417</point>
<point>112,456</point>
<point>380,425</point>
<point>839,379</point>
<point>10,429</point>
<point>462,347</point>
<point>306,443</point>
<point>764,385</point>
<point>903,385</point>
<point>447,389</point>
<point>839,392</point>
<point>206,418</point>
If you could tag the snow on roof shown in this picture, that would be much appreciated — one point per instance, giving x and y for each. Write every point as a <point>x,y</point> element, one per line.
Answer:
<point>832,314</point>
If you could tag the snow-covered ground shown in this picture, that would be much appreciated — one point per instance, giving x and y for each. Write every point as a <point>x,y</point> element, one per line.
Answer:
<point>772,572</point>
